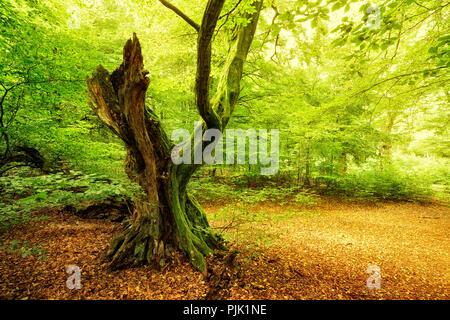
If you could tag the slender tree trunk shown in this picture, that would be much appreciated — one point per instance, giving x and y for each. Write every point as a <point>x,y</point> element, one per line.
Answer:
<point>307,182</point>
<point>342,169</point>
<point>385,149</point>
<point>299,168</point>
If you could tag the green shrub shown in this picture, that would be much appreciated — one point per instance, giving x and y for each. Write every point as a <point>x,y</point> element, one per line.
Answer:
<point>22,195</point>
<point>215,190</point>
<point>389,183</point>
<point>26,249</point>
<point>304,198</point>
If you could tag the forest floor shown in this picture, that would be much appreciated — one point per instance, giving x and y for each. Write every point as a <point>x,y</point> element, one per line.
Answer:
<point>286,252</point>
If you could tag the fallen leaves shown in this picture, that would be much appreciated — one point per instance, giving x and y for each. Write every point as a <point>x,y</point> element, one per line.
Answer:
<point>310,259</point>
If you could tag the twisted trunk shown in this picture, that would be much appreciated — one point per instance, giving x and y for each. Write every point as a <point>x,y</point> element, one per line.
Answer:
<point>166,218</point>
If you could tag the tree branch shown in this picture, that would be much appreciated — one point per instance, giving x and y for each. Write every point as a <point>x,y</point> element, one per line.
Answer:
<point>228,16</point>
<point>181,14</point>
<point>209,22</point>
<point>232,10</point>
<point>229,87</point>
<point>397,77</point>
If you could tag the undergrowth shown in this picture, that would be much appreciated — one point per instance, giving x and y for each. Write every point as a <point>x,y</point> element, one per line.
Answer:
<point>22,195</point>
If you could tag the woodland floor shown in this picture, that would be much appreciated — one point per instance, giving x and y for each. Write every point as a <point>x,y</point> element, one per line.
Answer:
<point>287,252</point>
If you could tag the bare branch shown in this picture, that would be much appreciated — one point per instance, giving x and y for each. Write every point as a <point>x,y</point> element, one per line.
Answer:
<point>397,77</point>
<point>421,5</point>
<point>181,14</point>
<point>232,10</point>
<point>274,19</point>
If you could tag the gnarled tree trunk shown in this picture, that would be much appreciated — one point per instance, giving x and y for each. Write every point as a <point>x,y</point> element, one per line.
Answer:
<point>166,218</point>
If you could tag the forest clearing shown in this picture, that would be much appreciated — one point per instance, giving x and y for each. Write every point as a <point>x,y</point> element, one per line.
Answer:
<point>321,252</point>
<point>225,150</point>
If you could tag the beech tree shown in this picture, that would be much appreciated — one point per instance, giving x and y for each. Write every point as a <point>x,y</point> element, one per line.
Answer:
<point>166,218</point>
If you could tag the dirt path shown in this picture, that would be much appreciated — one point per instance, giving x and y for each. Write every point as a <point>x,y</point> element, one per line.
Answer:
<point>316,253</point>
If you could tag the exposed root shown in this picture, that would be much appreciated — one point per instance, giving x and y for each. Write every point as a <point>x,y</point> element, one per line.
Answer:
<point>137,244</point>
<point>196,238</point>
<point>223,269</point>
<point>135,247</point>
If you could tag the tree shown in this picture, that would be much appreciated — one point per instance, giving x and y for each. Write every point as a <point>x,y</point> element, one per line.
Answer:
<point>166,218</point>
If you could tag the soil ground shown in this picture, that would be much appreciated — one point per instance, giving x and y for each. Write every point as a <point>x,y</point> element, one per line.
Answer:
<point>285,252</point>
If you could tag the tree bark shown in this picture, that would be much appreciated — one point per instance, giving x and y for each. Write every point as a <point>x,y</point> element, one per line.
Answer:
<point>385,149</point>
<point>166,218</point>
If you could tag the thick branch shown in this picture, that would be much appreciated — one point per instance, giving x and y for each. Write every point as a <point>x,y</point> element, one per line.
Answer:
<point>119,101</point>
<point>228,89</point>
<point>181,14</point>
<point>209,22</point>
<point>216,112</point>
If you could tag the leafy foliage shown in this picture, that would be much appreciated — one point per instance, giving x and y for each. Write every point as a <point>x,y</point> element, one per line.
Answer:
<point>25,249</point>
<point>21,196</point>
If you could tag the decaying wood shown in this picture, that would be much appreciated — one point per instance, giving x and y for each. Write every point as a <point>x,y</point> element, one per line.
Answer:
<point>165,218</point>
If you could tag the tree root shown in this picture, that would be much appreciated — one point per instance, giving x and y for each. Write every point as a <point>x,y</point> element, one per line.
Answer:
<point>137,247</point>
<point>222,271</point>
<point>140,243</point>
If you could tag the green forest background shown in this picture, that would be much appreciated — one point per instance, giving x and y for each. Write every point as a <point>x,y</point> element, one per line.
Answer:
<point>363,114</point>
